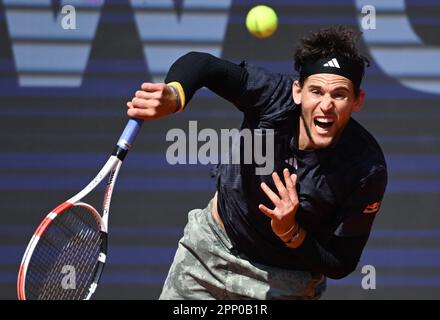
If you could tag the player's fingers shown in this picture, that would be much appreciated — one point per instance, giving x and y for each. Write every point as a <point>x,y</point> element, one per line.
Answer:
<point>271,195</point>
<point>289,185</point>
<point>294,194</point>
<point>144,114</point>
<point>129,105</point>
<point>148,95</point>
<point>145,104</point>
<point>133,113</point>
<point>268,212</point>
<point>280,186</point>
<point>152,87</point>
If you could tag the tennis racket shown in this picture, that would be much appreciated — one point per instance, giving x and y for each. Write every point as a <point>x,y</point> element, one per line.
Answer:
<point>66,255</point>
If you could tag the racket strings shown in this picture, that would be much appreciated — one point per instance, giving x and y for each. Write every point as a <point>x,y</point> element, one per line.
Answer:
<point>86,276</point>
<point>64,261</point>
<point>42,260</point>
<point>82,272</point>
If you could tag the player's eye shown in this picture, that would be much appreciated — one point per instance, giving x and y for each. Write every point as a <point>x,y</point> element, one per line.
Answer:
<point>340,95</point>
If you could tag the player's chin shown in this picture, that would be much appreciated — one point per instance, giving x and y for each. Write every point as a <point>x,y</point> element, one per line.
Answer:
<point>323,141</point>
<point>324,138</point>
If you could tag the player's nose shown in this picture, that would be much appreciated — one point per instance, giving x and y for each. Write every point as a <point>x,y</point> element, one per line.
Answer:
<point>326,103</point>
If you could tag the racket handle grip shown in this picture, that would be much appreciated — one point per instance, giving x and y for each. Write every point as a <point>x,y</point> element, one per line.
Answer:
<point>129,134</point>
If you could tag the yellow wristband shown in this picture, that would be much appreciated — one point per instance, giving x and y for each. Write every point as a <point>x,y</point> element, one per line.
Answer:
<point>181,94</point>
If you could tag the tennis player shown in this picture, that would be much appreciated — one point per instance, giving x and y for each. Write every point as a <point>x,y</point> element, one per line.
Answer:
<point>279,236</point>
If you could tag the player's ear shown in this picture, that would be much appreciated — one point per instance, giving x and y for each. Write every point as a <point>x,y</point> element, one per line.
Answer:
<point>359,101</point>
<point>296,92</point>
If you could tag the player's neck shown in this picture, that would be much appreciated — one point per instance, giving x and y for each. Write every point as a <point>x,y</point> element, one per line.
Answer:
<point>304,142</point>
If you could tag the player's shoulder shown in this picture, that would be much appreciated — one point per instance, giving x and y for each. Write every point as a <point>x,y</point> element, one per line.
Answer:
<point>364,159</point>
<point>258,74</point>
<point>270,92</point>
<point>365,144</point>
<point>358,144</point>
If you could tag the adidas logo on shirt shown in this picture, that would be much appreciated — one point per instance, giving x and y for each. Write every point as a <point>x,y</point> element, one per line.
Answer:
<point>332,63</point>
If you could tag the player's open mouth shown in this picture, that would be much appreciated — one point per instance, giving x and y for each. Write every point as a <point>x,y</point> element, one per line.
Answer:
<point>323,122</point>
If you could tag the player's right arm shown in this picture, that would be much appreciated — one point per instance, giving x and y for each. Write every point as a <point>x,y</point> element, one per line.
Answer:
<point>194,71</point>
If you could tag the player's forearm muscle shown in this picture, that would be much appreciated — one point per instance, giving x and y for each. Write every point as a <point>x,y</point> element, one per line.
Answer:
<point>337,259</point>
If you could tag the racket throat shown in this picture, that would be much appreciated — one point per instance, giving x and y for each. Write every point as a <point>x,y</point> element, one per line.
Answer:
<point>120,152</point>
<point>108,193</point>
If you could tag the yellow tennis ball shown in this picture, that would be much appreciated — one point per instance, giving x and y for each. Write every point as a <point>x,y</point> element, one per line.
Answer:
<point>262,21</point>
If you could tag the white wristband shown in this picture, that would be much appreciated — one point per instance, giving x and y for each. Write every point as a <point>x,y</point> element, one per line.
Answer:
<point>287,232</point>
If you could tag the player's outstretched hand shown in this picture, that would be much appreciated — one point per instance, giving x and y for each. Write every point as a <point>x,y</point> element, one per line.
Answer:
<point>286,203</point>
<point>153,101</point>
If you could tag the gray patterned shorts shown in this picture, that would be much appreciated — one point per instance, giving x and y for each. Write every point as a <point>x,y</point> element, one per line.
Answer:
<point>205,267</point>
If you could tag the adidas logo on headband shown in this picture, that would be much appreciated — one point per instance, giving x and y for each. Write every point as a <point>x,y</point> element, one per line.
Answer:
<point>332,63</point>
<point>339,65</point>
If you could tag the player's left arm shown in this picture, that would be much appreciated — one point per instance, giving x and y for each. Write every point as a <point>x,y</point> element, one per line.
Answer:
<point>339,256</point>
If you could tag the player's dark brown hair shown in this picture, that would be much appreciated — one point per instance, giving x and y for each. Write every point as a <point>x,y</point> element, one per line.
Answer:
<point>332,41</point>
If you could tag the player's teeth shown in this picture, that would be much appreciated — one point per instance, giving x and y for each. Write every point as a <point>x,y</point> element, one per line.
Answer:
<point>324,120</point>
